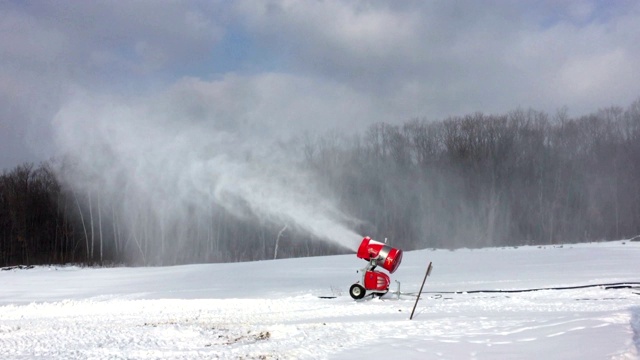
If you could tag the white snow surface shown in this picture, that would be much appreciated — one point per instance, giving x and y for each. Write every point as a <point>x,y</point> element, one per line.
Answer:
<point>272,309</point>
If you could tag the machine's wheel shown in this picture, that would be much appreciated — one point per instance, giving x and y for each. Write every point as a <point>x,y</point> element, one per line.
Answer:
<point>357,291</point>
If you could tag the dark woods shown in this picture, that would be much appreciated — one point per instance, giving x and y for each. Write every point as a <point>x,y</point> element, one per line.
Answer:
<point>486,180</point>
<point>479,180</point>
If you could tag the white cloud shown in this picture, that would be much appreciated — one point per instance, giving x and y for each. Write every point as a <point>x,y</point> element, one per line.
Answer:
<point>580,10</point>
<point>271,105</point>
<point>441,58</point>
<point>315,65</point>
<point>49,48</point>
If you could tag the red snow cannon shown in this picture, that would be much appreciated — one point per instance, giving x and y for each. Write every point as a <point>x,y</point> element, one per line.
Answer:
<point>376,254</point>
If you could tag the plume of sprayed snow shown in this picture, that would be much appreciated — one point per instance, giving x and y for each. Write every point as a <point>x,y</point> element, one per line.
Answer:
<point>177,158</point>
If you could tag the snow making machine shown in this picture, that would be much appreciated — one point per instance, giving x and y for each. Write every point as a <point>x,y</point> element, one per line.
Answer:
<point>376,254</point>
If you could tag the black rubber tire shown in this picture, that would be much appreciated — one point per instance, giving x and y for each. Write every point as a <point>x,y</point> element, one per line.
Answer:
<point>357,292</point>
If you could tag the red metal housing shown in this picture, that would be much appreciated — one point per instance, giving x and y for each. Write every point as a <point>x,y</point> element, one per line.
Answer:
<point>384,255</point>
<point>377,281</point>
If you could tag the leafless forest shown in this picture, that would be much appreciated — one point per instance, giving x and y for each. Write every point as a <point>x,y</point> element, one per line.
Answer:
<point>524,177</point>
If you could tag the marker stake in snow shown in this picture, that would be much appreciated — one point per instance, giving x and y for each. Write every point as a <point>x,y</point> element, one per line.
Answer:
<point>420,292</point>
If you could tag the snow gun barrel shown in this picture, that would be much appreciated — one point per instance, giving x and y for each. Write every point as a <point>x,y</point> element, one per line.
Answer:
<point>383,255</point>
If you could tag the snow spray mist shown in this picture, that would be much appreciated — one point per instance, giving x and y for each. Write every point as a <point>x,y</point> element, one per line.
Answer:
<point>176,161</point>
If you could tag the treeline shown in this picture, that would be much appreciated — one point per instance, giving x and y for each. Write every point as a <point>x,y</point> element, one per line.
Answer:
<point>524,177</point>
<point>45,221</point>
<point>482,180</point>
<point>35,227</point>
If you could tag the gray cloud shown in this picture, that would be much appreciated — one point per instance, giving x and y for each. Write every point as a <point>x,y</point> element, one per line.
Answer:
<point>136,37</point>
<point>49,50</point>
<point>314,65</point>
<point>441,58</point>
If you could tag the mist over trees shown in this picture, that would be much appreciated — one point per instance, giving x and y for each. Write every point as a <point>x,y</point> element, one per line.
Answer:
<point>524,177</point>
<point>485,180</point>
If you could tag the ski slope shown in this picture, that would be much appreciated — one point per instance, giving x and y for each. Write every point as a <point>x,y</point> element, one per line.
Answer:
<point>272,309</point>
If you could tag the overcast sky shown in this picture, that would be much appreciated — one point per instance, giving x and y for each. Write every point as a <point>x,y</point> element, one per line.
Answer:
<point>290,66</point>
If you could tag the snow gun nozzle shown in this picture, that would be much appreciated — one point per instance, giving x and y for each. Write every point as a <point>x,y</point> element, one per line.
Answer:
<point>382,254</point>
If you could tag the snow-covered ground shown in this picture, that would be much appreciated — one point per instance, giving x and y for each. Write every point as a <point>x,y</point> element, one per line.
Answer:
<point>271,309</point>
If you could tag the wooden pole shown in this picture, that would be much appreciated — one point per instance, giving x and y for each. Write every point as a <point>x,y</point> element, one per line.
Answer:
<point>420,292</point>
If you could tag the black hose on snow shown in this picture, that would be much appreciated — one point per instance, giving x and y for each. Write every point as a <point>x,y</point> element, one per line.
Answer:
<point>619,285</point>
